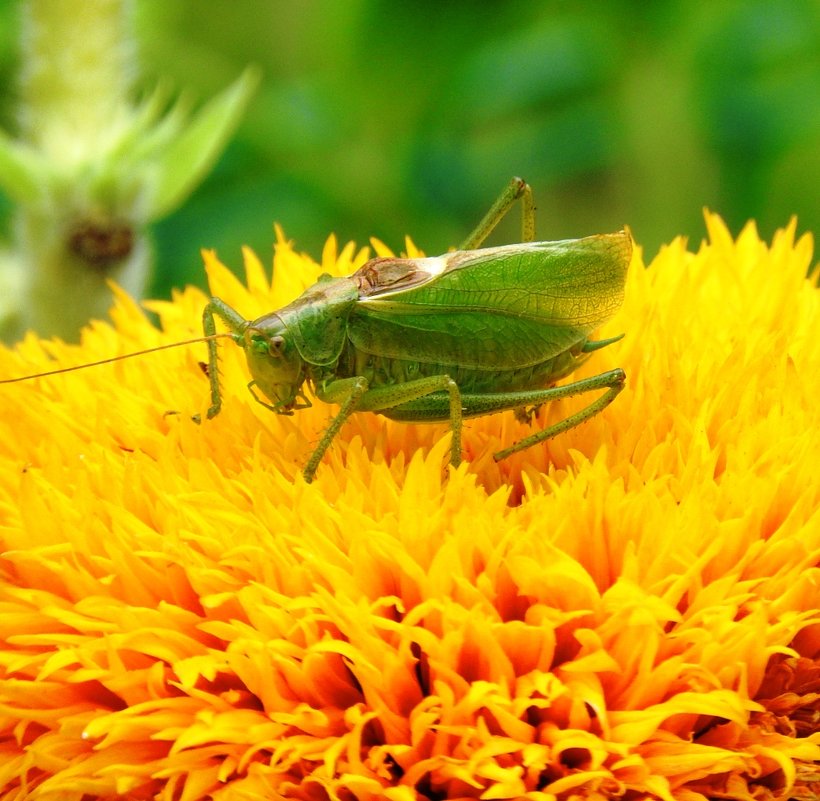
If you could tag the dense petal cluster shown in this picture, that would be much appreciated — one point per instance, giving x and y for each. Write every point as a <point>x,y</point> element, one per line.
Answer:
<point>629,611</point>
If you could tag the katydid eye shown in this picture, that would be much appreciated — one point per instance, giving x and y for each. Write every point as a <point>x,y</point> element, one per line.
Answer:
<point>276,345</point>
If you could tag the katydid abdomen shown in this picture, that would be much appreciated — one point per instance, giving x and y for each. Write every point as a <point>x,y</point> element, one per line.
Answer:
<point>380,371</point>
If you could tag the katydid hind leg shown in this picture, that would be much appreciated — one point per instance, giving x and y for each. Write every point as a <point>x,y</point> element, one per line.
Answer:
<point>612,381</point>
<point>517,189</point>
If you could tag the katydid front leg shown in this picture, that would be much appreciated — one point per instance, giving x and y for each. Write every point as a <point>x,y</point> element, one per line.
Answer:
<point>354,395</point>
<point>237,324</point>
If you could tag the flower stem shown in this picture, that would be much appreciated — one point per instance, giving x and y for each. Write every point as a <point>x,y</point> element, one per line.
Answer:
<point>79,62</point>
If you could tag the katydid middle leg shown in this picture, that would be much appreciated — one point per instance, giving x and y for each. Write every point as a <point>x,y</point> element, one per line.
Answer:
<point>355,395</point>
<point>515,190</point>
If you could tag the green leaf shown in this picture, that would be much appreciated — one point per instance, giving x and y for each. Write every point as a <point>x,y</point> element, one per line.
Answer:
<point>186,160</point>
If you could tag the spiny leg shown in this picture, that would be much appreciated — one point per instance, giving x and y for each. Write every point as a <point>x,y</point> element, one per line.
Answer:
<point>386,397</point>
<point>237,324</point>
<point>348,392</point>
<point>516,189</point>
<point>613,381</point>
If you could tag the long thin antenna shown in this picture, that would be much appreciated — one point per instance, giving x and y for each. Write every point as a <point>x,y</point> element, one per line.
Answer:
<point>115,358</point>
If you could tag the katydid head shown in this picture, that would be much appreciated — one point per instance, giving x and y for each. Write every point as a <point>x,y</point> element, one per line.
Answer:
<point>274,361</point>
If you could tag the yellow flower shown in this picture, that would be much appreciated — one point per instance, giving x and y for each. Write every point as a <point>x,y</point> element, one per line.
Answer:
<point>631,610</point>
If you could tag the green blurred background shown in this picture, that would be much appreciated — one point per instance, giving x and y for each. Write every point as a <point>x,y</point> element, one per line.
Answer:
<point>385,118</point>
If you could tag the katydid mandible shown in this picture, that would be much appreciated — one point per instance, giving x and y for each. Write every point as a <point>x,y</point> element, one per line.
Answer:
<point>472,332</point>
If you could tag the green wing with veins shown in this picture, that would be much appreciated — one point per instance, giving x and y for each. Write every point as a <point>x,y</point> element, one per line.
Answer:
<point>498,308</point>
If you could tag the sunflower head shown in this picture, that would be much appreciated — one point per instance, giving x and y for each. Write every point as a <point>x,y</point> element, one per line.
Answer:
<point>629,611</point>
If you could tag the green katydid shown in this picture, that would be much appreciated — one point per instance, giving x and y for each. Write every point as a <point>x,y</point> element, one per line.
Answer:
<point>469,333</point>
